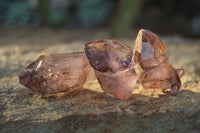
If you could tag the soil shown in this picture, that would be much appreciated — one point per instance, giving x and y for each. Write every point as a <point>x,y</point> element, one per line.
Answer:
<point>89,109</point>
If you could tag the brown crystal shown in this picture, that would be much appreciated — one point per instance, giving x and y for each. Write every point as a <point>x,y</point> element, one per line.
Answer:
<point>157,72</point>
<point>113,65</point>
<point>57,73</point>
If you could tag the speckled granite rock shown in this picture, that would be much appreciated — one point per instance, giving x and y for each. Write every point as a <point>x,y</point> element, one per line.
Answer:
<point>90,110</point>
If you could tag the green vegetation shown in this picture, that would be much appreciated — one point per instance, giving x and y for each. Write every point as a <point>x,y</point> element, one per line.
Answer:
<point>125,16</point>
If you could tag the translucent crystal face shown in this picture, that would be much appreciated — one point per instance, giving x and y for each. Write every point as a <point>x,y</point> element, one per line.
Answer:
<point>154,40</point>
<point>24,77</point>
<point>147,51</point>
<point>175,85</point>
<point>175,89</point>
<point>108,55</point>
<point>126,62</point>
<point>149,45</point>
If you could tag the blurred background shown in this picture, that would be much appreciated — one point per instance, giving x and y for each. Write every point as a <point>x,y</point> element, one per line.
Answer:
<point>119,16</point>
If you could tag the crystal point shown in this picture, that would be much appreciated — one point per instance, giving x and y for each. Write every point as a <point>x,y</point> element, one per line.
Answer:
<point>113,65</point>
<point>57,73</point>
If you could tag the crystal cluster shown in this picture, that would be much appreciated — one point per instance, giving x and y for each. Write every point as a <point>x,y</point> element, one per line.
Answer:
<point>111,62</point>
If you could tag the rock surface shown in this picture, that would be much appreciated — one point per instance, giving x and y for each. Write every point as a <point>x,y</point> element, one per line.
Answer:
<point>90,110</point>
